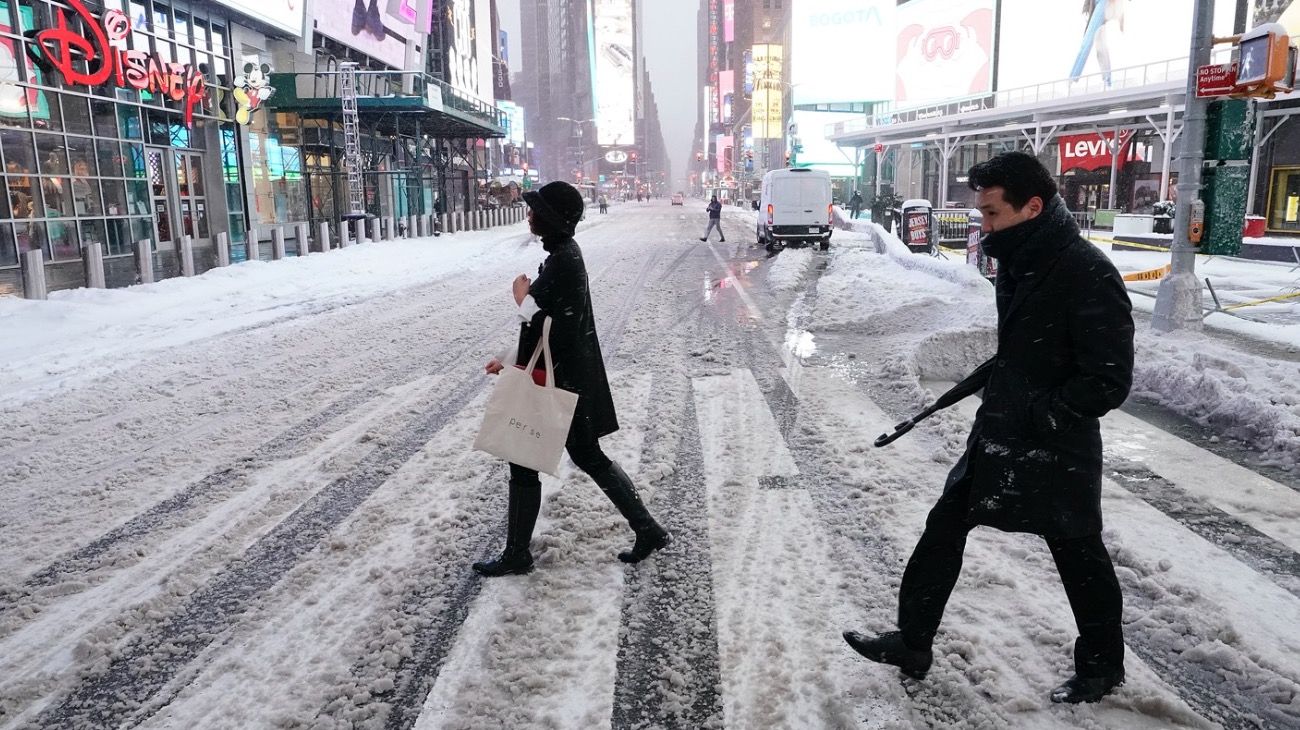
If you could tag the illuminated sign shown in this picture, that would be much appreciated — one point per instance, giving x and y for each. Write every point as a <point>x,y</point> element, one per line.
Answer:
<point>767,114</point>
<point>615,80</point>
<point>285,15</point>
<point>101,49</point>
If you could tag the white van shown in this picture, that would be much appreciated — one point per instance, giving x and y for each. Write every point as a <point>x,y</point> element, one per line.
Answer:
<point>795,207</point>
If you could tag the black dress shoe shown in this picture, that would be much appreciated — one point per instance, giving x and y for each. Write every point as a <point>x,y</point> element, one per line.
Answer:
<point>518,563</point>
<point>704,239</point>
<point>889,648</point>
<point>647,541</point>
<point>722,240</point>
<point>1086,689</point>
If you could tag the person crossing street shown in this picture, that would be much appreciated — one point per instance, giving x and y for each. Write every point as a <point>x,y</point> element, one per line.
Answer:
<point>714,210</point>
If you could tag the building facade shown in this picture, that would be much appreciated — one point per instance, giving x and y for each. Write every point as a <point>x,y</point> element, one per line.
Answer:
<point>151,120</point>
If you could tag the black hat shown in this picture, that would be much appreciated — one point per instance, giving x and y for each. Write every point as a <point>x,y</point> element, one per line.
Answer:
<point>558,204</point>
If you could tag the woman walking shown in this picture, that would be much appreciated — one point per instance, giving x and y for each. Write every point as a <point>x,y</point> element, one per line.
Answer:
<point>561,293</point>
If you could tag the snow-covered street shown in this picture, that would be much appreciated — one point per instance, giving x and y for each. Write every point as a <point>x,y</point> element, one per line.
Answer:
<point>249,500</point>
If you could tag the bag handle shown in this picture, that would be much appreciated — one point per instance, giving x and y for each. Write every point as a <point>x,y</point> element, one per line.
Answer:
<point>544,345</point>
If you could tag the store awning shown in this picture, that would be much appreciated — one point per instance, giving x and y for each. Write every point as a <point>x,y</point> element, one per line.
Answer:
<point>441,110</point>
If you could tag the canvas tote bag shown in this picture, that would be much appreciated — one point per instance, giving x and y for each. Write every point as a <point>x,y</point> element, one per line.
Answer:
<point>526,423</point>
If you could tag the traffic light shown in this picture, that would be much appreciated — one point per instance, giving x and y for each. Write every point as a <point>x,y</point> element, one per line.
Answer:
<point>787,158</point>
<point>699,157</point>
<point>634,157</point>
<point>1267,62</point>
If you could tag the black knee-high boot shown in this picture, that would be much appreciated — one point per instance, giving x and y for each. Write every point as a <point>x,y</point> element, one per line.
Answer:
<point>617,485</point>
<point>524,503</point>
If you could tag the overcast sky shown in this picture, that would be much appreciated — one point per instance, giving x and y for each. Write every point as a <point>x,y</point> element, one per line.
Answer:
<point>669,32</point>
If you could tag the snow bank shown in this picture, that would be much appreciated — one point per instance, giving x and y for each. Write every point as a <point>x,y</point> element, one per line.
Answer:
<point>789,269</point>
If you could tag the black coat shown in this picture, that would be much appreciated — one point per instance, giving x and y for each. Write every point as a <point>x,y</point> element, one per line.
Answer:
<point>1064,359</point>
<point>561,291</point>
<point>715,209</point>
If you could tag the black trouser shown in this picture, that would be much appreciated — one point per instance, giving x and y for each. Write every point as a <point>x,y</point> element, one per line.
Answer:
<point>1083,564</point>
<point>584,448</point>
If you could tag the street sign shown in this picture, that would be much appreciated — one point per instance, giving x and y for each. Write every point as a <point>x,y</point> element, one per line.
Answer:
<point>616,157</point>
<point>1216,79</point>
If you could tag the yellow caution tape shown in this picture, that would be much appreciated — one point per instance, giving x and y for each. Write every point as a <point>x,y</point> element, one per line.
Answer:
<point>1151,275</point>
<point>1278,298</point>
<point>1147,246</point>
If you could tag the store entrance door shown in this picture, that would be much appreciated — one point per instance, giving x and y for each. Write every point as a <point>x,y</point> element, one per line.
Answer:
<point>160,191</point>
<point>190,195</point>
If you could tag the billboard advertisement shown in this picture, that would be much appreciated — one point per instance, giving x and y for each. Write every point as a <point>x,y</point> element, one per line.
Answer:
<point>824,72</point>
<point>766,112</point>
<point>18,101</point>
<point>818,152</point>
<point>729,21</point>
<point>945,50</point>
<point>726,95</point>
<point>614,82</point>
<point>374,27</point>
<point>284,15</point>
<point>1094,37</point>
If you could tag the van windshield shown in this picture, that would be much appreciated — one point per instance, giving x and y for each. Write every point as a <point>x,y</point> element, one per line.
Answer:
<point>806,191</point>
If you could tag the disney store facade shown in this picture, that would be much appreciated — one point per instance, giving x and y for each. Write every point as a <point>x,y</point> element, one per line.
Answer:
<point>112,131</point>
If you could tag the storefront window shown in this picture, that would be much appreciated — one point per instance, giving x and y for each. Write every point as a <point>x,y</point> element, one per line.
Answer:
<point>276,170</point>
<point>8,251</point>
<point>76,114</point>
<point>1284,200</point>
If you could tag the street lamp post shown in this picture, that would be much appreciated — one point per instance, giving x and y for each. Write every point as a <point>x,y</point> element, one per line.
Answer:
<point>582,152</point>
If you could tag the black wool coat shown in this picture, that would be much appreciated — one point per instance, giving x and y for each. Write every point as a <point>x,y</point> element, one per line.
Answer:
<point>561,291</point>
<point>1064,359</point>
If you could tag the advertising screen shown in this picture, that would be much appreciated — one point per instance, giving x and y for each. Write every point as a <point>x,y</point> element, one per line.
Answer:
<point>366,25</point>
<point>945,50</point>
<point>766,111</point>
<point>726,95</point>
<point>1094,37</point>
<point>818,152</point>
<point>285,15</point>
<point>614,82</point>
<point>824,71</point>
<point>15,100</point>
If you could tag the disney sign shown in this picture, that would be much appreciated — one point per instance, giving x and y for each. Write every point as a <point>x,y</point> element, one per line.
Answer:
<point>101,49</point>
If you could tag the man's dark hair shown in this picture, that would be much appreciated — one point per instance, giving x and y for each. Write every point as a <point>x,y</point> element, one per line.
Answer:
<point>1020,175</point>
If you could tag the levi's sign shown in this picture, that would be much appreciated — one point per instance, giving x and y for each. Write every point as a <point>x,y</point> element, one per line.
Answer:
<point>1216,79</point>
<point>1090,151</point>
<point>99,47</point>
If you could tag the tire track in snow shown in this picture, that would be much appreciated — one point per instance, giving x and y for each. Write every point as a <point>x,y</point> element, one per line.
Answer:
<point>149,662</point>
<point>1269,557</point>
<point>445,607</point>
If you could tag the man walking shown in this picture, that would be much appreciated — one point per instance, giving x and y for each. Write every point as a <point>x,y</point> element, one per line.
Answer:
<point>1033,459</point>
<point>715,220</point>
<point>855,205</point>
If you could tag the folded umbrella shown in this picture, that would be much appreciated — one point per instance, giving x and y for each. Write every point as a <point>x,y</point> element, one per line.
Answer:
<point>969,385</point>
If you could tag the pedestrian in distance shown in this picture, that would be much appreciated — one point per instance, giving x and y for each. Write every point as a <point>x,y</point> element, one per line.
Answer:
<point>561,292</point>
<point>855,205</point>
<point>604,204</point>
<point>714,209</point>
<point>1033,459</point>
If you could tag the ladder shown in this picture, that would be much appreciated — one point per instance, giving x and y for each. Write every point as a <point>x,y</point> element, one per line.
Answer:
<point>351,140</point>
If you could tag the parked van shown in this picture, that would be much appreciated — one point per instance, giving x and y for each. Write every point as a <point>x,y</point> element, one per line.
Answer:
<point>795,208</point>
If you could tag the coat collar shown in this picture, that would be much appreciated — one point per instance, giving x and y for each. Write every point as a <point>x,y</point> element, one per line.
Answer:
<point>1032,253</point>
<point>556,242</point>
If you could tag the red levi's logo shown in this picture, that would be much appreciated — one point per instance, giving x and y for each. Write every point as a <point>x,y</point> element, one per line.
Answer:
<point>1092,151</point>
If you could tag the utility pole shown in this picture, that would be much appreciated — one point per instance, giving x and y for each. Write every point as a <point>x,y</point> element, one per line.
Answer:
<point>1178,301</point>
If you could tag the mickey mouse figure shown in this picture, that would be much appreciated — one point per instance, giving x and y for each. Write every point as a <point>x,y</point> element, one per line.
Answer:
<point>251,90</point>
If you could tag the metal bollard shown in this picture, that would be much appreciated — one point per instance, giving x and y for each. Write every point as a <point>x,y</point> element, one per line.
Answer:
<point>277,243</point>
<point>185,254</point>
<point>359,225</point>
<point>223,249</point>
<point>34,275</point>
<point>304,245</point>
<point>411,227</point>
<point>374,230</point>
<point>345,234</point>
<point>252,246</point>
<point>144,260</point>
<point>323,237</point>
<point>92,257</point>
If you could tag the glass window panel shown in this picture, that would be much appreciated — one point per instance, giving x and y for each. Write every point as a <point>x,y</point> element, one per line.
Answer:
<point>15,99</point>
<point>18,150</point>
<point>180,135</point>
<point>92,234</point>
<point>51,120</point>
<point>199,31</point>
<point>114,5</point>
<point>85,196</point>
<point>104,115</point>
<point>24,196</point>
<point>5,199</point>
<point>141,228</point>
<point>128,121</point>
<point>62,244</point>
<point>109,155</point>
<point>135,161</point>
<point>161,23</point>
<point>29,235</point>
<point>76,114</point>
<point>58,195</point>
<point>51,155</point>
<point>187,217</point>
<point>182,33</point>
<point>182,175</point>
<point>137,197</point>
<point>81,150</point>
<point>201,217</point>
<point>196,174</point>
<point>114,197</point>
<point>165,50</point>
<point>158,127</point>
<point>157,175</point>
<point>8,251</point>
<point>119,237</point>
